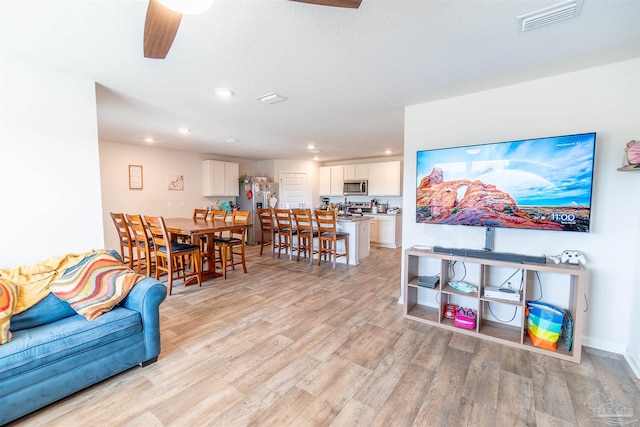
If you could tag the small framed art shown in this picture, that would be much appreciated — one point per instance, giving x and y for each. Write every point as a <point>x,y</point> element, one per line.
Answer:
<point>135,177</point>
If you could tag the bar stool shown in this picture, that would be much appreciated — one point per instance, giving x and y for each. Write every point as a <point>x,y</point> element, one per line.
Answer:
<point>329,236</point>
<point>268,229</point>
<point>306,233</point>
<point>286,231</point>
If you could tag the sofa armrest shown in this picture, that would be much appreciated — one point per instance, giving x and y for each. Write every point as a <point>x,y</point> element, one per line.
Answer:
<point>145,298</point>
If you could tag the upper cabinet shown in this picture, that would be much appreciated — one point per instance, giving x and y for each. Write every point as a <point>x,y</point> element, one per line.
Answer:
<point>385,179</point>
<point>331,180</point>
<point>220,178</point>
<point>324,178</point>
<point>356,171</point>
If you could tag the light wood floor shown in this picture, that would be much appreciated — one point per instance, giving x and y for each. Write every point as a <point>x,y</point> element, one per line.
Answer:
<point>293,344</point>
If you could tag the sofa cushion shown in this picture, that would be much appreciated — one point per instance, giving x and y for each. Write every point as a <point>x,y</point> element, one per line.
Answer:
<point>95,285</point>
<point>50,309</point>
<point>8,299</point>
<point>46,344</point>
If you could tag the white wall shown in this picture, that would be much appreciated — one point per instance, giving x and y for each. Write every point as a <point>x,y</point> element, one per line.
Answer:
<point>603,99</point>
<point>633,350</point>
<point>49,177</point>
<point>154,198</point>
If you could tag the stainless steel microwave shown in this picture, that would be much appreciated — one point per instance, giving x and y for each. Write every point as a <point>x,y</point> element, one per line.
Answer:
<point>354,187</point>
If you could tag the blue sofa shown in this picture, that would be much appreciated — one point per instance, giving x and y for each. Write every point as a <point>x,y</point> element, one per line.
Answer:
<point>55,352</point>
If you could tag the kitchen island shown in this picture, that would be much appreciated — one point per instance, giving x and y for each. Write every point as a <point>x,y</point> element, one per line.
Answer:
<point>358,228</point>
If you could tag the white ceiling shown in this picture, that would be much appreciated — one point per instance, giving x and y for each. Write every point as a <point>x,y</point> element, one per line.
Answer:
<point>347,73</point>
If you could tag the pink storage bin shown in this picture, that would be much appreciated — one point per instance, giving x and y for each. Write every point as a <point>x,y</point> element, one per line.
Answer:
<point>465,318</point>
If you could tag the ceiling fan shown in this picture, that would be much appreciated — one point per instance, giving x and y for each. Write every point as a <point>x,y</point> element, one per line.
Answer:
<point>161,24</point>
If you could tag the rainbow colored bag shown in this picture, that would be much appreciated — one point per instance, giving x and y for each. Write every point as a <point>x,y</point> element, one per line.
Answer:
<point>544,323</point>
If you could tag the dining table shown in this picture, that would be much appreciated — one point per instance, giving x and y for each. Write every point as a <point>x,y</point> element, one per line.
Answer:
<point>195,228</point>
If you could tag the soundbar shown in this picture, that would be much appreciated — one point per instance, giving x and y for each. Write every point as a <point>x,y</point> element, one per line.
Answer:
<point>500,256</point>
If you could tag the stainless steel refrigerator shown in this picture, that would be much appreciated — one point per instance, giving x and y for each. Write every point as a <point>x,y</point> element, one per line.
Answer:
<point>252,196</point>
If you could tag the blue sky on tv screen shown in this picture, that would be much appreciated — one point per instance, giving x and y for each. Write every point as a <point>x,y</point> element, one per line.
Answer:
<point>554,171</point>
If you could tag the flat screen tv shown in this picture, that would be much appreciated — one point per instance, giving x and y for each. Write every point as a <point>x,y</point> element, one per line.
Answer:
<point>542,184</point>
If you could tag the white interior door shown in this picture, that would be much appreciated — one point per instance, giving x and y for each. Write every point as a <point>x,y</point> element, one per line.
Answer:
<point>293,191</point>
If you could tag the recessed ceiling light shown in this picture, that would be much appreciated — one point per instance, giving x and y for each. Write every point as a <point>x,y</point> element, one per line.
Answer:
<point>149,139</point>
<point>314,151</point>
<point>231,140</point>
<point>184,131</point>
<point>316,158</point>
<point>311,146</point>
<point>224,92</point>
<point>271,98</point>
<point>387,152</point>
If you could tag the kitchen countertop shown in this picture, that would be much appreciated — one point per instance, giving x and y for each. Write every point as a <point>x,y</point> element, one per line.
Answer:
<point>354,218</point>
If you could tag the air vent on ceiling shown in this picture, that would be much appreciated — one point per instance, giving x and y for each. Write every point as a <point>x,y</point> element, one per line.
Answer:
<point>271,98</point>
<point>549,15</point>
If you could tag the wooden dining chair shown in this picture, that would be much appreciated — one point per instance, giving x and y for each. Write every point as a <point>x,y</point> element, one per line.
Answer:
<point>127,243</point>
<point>286,231</point>
<point>268,229</point>
<point>306,233</point>
<point>329,236</point>
<point>144,243</point>
<point>177,260</point>
<point>218,215</point>
<point>200,214</point>
<point>233,246</point>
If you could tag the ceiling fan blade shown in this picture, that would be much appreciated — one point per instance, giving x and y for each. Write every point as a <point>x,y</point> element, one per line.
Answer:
<point>160,29</point>
<point>353,4</point>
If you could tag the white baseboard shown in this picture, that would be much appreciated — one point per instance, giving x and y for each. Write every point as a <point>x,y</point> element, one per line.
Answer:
<point>603,345</point>
<point>634,362</point>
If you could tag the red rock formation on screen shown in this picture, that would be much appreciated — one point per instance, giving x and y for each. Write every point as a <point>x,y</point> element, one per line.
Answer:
<point>471,202</point>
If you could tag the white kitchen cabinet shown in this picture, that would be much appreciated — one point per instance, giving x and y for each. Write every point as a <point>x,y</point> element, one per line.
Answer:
<point>385,179</point>
<point>374,230</point>
<point>386,230</point>
<point>324,178</point>
<point>220,178</point>
<point>337,180</point>
<point>331,180</point>
<point>232,177</point>
<point>356,171</point>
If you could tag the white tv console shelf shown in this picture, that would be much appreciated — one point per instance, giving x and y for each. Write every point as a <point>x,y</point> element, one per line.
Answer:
<point>425,262</point>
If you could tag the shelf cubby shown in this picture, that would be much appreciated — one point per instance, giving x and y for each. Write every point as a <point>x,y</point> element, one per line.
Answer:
<point>424,262</point>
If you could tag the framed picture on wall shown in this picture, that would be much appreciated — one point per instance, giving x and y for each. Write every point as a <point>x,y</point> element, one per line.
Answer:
<point>135,177</point>
<point>176,182</point>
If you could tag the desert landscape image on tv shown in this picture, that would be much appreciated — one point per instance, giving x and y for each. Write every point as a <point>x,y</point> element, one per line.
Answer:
<point>543,183</point>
